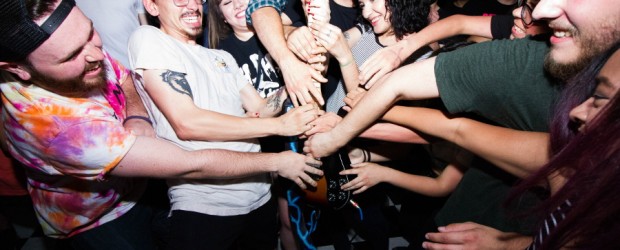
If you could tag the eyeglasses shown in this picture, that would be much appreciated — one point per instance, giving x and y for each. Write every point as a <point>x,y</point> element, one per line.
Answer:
<point>183,3</point>
<point>526,13</point>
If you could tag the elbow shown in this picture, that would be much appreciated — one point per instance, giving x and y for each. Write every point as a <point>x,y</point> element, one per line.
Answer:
<point>184,131</point>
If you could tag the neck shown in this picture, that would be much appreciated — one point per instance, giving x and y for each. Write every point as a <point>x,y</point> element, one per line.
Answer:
<point>243,35</point>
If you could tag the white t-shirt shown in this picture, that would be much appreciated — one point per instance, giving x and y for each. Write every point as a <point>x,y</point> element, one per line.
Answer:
<point>114,20</point>
<point>215,81</point>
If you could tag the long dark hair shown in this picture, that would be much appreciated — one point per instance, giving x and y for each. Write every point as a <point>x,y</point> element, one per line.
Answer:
<point>591,163</point>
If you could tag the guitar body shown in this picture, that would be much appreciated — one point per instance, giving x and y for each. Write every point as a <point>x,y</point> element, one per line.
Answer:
<point>328,192</point>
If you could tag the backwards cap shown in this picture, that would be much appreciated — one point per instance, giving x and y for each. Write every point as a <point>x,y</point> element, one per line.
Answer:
<point>20,35</point>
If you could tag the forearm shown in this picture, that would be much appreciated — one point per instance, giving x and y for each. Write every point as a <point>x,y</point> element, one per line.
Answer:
<point>206,125</point>
<point>520,153</point>
<point>350,72</point>
<point>393,133</point>
<point>442,29</point>
<point>380,98</point>
<point>416,183</point>
<point>480,138</point>
<point>150,157</point>
<point>272,105</point>
<point>268,26</point>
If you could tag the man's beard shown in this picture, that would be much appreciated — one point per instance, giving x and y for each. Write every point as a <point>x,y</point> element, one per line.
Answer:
<point>71,87</point>
<point>591,46</point>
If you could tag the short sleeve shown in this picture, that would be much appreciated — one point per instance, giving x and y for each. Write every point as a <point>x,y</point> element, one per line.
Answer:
<point>501,26</point>
<point>257,4</point>
<point>90,150</point>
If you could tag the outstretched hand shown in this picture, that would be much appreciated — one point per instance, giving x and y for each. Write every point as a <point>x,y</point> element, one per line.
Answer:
<point>368,175</point>
<point>383,61</point>
<point>298,120</point>
<point>297,168</point>
<point>471,235</point>
<point>353,98</point>
<point>300,79</point>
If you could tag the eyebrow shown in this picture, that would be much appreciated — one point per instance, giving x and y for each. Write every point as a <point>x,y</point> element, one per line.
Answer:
<point>79,49</point>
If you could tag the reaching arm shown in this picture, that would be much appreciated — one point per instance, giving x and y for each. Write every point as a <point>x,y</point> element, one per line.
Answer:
<point>470,235</point>
<point>479,138</point>
<point>151,157</point>
<point>370,174</point>
<point>377,101</point>
<point>262,107</point>
<point>297,74</point>
<point>174,99</point>
<point>387,59</point>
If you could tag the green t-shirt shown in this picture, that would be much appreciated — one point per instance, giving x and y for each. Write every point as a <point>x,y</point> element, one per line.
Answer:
<point>503,81</point>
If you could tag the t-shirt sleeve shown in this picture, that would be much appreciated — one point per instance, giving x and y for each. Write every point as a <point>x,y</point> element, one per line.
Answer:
<point>501,26</point>
<point>493,79</point>
<point>90,150</point>
<point>149,48</point>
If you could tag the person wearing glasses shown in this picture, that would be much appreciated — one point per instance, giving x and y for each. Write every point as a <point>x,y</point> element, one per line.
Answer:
<point>509,82</point>
<point>72,117</point>
<point>198,99</point>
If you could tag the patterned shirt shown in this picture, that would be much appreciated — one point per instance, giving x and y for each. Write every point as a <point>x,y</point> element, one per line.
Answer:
<point>67,146</point>
<point>257,4</point>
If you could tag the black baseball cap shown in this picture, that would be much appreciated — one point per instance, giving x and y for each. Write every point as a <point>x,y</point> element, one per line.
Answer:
<point>20,35</point>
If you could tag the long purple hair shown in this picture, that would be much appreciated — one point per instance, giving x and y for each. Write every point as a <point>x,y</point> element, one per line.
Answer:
<point>591,162</point>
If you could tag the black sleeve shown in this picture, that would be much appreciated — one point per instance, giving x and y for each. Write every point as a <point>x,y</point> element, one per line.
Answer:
<point>501,26</point>
<point>295,12</point>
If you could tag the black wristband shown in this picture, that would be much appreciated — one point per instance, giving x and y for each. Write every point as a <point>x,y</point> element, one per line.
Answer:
<point>146,119</point>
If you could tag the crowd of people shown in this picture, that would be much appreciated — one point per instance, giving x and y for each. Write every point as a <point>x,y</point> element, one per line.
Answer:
<point>503,114</point>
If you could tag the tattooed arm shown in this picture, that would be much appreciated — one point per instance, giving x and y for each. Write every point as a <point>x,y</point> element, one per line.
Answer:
<point>172,94</point>
<point>254,104</point>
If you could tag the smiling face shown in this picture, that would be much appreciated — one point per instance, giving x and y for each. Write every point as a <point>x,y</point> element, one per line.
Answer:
<point>519,30</point>
<point>582,29</point>
<point>376,13</point>
<point>234,14</point>
<point>183,23</point>
<point>70,62</point>
<point>608,83</point>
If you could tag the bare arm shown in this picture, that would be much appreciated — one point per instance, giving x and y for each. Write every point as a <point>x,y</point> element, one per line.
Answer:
<point>389,58</point>
<point>470,235</point>
<point>370,174</point>
<point>263,107</point>
<point>151,157</point>
<point>297,74</point>
<point>376,102</point>
<point>501,146</point>
<point>174,99</point>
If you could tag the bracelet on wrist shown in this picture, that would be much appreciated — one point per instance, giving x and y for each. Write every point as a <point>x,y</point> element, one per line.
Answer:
<point>139,117</point>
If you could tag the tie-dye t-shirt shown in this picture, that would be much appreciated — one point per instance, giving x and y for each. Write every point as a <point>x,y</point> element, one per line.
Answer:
<point>68,145</point>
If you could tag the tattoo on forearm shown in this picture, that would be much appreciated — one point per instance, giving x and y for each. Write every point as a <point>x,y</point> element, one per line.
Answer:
<point>346,35</point>
<point>177,82</point>
<point>275,101</point>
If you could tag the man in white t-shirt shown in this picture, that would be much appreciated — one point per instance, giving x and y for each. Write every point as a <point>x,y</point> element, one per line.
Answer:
<point>198,98</point>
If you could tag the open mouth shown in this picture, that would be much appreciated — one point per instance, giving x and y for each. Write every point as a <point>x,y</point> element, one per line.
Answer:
<point>191,18</point>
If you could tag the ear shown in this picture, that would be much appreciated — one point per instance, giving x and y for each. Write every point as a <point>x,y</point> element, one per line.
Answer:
<point>16,69</point>
<point>151,7</point>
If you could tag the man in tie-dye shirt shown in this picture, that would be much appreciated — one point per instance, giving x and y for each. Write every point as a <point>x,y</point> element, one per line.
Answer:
<point>65,105</point>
